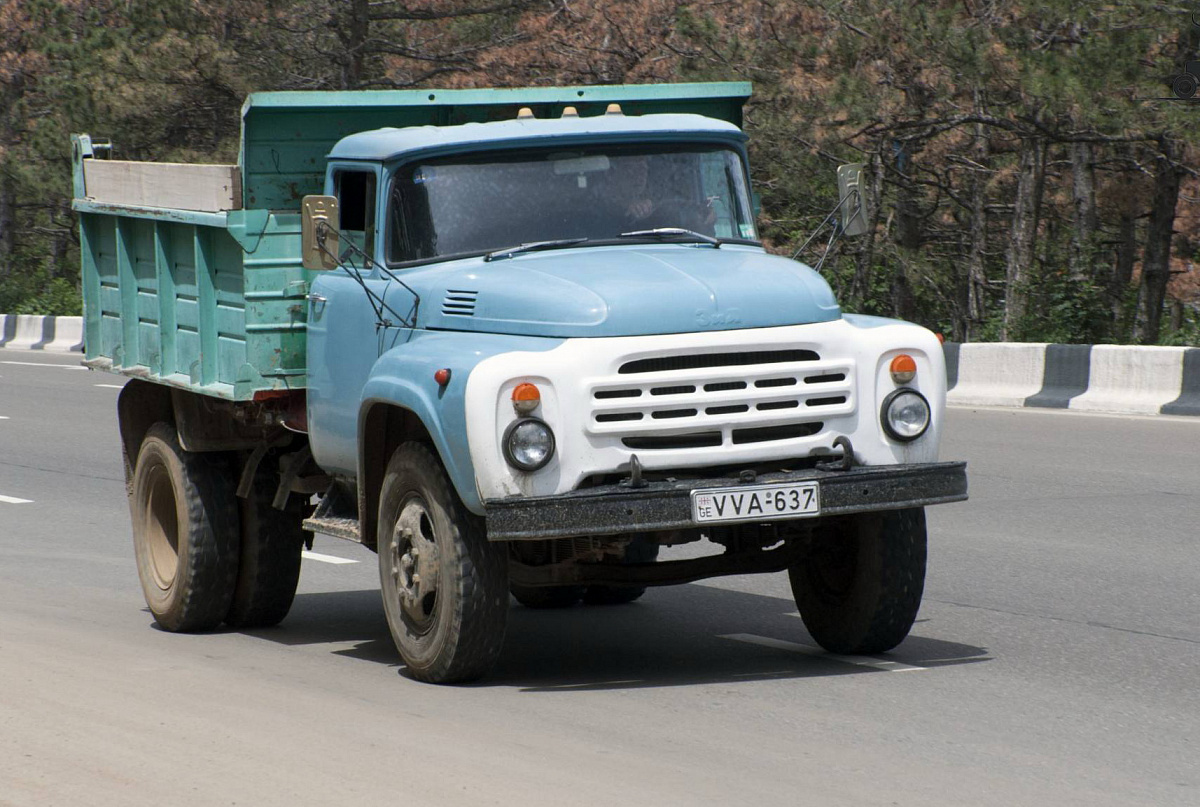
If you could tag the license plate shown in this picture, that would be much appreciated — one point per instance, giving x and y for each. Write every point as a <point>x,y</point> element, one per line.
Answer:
<point>756,502</point>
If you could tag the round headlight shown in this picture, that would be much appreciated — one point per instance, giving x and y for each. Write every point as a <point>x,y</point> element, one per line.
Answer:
<point>905,415</point>
<point>528,444</point>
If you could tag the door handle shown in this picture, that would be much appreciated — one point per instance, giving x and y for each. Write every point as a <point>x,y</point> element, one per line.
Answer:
<point>313,297</point>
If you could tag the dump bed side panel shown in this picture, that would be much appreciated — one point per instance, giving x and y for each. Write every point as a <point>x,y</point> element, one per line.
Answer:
<point>200,304</point>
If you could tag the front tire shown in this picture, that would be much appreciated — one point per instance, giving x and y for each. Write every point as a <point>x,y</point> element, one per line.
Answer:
<point>859,588</point>
<point>445,587</point>
<point>185,532</point>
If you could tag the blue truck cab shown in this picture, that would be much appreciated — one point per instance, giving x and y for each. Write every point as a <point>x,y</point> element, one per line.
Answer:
<point>516,342</point>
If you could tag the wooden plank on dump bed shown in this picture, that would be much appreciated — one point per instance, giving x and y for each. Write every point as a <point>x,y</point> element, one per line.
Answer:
<point>210,188</point>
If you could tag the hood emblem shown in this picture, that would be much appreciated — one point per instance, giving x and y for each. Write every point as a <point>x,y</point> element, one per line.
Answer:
<point>718,319</point>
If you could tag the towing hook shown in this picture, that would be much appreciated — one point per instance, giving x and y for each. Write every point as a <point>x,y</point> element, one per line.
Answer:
<point>635,473</point>
<point>842,463</point>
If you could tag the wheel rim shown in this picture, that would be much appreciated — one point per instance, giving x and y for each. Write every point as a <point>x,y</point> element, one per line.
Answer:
<point>162,527</point>
<point>415,566</point>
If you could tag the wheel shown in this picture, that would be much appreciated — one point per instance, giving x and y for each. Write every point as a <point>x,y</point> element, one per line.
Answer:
<point>859,589</point>
<point>445,587</point>
<point>271,542</point>
<point>185,532</point>
<point>641,549</point>
<point>547,596</point>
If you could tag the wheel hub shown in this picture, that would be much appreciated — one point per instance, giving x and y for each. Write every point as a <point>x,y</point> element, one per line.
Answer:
<point>415,563</point>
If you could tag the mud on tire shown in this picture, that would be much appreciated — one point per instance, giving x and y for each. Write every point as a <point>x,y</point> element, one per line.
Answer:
<point>185,532</point>
<point>445,587</point>
<point>269,570</point>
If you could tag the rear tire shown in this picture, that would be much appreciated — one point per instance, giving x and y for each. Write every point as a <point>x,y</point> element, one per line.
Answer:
<point>547,597</point>
<point>271,542</point>
<point>642,549</point>
<point>860,587</point>
<point>445,587</point>
<point>612,595</point>
<point>185,532</point>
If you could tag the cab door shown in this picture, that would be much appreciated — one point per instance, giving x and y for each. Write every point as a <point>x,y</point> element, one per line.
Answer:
<point>343,340</point>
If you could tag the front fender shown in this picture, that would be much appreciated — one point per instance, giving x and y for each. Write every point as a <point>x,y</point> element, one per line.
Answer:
<point>403,377</point>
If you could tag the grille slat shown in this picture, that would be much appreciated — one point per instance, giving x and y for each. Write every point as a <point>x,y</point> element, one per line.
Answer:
<point>697,361</point>
<point>720,399</point>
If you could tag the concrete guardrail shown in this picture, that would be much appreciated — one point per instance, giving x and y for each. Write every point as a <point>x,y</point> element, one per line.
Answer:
<point>32,332</point>
<point>1125,379</point>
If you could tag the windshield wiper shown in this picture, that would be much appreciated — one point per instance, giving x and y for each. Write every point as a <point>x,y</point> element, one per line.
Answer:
<point>532,246</point>
<point>674,232</point>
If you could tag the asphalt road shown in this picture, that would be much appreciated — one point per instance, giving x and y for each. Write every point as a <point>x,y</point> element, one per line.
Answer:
<point>1056,660</point>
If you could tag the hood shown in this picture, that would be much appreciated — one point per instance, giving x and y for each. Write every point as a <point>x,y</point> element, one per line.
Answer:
<point>624,291</point>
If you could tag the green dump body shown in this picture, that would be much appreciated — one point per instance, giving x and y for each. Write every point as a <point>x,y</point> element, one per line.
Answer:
<point>210,296</point>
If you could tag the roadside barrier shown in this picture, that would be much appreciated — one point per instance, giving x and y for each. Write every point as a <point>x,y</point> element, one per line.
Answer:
<point>1124,379</point>
<point>32,332</point>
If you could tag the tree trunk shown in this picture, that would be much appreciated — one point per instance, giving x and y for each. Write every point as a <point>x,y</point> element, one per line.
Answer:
<point>355,28</point>
<point>1156,260</point>
<point>908,216</point>
<point>977,247</point>
<point>1026,210</point>
<point>1122,272</point>
<point>7,224</point>
<point>860,289</point>
<point>1083,193</point>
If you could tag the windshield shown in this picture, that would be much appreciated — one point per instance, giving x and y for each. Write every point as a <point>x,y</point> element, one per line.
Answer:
<point>463,206</point>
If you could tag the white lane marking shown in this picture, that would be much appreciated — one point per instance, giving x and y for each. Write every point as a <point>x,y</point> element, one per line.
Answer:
<point>110,386</point>
<point>45,364</point>
<point>860,661</point>
<point>3,417</point>
<point>324,558</point>
<point>15,500</point>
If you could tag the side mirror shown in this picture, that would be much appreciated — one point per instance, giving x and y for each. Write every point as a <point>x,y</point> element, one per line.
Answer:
<point>853,209</point>
<point>319,232</point>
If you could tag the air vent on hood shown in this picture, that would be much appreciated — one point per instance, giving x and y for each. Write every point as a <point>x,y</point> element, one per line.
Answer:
<point>459,303</point>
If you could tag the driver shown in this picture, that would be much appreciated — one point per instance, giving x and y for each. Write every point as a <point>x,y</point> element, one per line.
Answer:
<point>641,203</point>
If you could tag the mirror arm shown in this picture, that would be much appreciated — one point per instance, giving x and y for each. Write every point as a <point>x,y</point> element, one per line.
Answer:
<point>378,304</point>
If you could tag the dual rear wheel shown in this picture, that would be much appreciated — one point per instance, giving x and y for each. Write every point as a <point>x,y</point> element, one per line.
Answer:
<point>205,557</point>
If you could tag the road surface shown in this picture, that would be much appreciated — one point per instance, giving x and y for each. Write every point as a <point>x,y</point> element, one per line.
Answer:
<point>1056,660</point>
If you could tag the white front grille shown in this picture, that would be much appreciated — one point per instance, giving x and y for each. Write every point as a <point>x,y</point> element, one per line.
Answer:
<point>774,395</point>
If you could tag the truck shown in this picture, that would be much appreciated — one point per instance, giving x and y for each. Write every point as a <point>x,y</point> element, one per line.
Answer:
<point>519,343</point>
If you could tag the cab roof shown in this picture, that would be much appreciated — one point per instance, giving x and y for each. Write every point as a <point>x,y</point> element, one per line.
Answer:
<point>385,144</point>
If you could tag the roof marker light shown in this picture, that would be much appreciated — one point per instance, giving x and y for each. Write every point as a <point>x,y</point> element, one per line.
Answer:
<point>525,113</point>
<point>570,112</point>
<point>614,109</point>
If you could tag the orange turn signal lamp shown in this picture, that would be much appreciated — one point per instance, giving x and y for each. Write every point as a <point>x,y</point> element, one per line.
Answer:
<point>903,368</point>
<point>525,398</point>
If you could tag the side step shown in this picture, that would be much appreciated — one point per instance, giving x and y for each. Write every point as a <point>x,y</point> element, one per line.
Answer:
<point>336,515</point>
